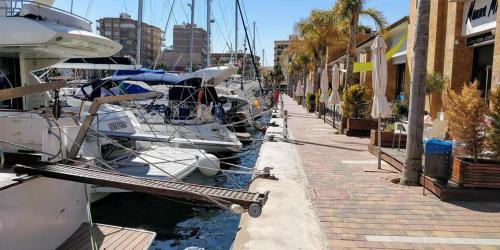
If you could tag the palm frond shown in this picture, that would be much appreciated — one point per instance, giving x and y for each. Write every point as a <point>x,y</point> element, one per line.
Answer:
<point>376,16</point>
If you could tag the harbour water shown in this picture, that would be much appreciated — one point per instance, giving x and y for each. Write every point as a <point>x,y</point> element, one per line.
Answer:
<point>181,225</point>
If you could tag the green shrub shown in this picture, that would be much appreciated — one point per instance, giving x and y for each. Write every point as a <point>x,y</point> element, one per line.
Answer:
<point>400,110</point>
<point>310,100</point>
<point>435,82</point>
<point>356,102</point>
<point>389,128</point>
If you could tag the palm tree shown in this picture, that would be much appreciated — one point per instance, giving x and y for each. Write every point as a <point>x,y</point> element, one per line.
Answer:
<point>299,58</point>
<point>277,75</point>
<point>350,12</point>
<point>414,148</point>
<point>319,31</point>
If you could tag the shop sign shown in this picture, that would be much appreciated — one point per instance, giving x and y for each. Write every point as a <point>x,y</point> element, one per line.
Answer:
<point>479,16</point>
<point>479,39</point>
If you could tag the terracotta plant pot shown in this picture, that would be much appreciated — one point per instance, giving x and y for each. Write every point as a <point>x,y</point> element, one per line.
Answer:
<point>483,174</point>
<point>360,127</point>
<point>387,139</point>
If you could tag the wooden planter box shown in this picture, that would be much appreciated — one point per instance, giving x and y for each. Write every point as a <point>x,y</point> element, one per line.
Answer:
<point>387,139</point>
<point>483,174</point>
<point>360,127</point>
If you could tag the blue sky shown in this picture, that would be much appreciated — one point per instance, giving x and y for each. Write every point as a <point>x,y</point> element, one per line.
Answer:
<point>275,18</point>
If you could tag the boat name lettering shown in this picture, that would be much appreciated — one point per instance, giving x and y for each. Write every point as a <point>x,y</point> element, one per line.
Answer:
<point>117,125</point>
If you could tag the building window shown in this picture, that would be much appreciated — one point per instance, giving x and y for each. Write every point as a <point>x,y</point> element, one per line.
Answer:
<point>400,79</point>
<point>482,68</point>
<point>127,25</point>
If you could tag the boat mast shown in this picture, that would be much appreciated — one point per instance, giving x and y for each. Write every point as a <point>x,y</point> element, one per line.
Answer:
<point>236,33</point>
<point>253,46</point>
<point>247,39</point>
<point>263,57</point>
<point>191,38</point>
<point>209,28</point>
<point>139,34</point>
<point>71,7</point>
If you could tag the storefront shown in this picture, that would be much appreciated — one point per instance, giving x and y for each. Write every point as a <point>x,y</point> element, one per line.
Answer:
<point>462,45</point>
<point>479,29</point>
<point>397,73</point>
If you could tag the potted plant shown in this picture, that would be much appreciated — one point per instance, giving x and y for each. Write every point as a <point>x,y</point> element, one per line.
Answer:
<point>391,136</point>
<point>466,123</point>
<point>355,109</point>
<point>435,83</point>
<point>310,102</point>
<point>400,110</point>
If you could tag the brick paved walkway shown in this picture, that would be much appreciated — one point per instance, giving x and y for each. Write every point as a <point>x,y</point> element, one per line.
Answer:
<point>366,210</point>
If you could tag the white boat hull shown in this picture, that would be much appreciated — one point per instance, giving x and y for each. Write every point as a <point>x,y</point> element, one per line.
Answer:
<point>209,137</point>
<point>51,40</point>
<point>40,213</point>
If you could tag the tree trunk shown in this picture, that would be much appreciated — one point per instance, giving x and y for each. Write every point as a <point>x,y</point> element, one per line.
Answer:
<point>351,50</point>
<point>414,144</point>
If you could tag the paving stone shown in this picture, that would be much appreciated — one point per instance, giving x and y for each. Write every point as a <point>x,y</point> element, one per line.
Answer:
<point>351,203</point>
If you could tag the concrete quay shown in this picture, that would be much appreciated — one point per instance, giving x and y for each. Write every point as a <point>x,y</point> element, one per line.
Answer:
<point>288,220</point>
<point>326,178</point>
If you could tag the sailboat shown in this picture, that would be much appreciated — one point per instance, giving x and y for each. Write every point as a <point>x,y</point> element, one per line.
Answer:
<point>189,125</point>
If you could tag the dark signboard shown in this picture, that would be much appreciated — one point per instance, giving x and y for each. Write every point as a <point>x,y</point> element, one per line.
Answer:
<point>479,39</point>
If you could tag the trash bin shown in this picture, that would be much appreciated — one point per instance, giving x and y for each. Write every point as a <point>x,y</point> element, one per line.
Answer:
<point>437,159</point>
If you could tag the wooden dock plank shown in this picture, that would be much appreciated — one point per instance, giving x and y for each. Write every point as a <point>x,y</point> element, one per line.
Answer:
<point>131,245</point>
<point>123,238</point>
<point>109,237</point>
<point>444,192</point>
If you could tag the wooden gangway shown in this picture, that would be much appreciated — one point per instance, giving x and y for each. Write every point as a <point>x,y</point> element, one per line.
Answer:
<point>249,201</point>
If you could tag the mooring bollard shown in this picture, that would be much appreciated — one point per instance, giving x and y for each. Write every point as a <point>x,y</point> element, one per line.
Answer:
<point>285,125</point>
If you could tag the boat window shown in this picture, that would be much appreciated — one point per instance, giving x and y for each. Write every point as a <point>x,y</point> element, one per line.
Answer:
<point>10,78</point>
<point>112,151</point>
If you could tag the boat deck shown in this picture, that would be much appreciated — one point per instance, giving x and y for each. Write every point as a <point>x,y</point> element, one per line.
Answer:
<point>109,237</point>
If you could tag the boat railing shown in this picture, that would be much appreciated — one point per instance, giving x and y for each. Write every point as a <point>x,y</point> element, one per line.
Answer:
<point>12,8</point>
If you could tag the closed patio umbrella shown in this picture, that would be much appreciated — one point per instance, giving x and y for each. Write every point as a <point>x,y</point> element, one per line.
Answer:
<point>324,86</point>
<point>300,89</point>
<point>334,98</point>
<point>309,87</point>
<point>324,91</point>
<point>380,106</point>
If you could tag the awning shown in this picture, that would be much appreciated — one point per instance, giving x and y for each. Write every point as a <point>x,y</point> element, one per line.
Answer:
<point>399,58</point>
<point>104,63</point>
